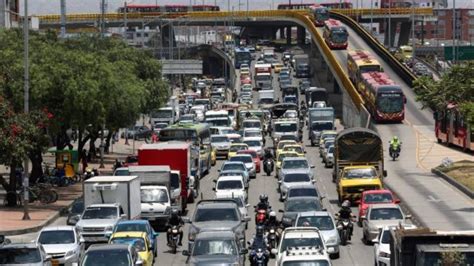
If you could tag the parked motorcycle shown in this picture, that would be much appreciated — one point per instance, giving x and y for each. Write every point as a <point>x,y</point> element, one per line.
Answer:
<point>268,166</point>
<point>174,238</point>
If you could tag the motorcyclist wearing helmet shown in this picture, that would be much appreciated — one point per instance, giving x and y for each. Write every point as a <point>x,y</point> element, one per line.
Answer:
<point>272,220</point>
<point>345,213</point>
<point>259,240</point>
<point>263,203</point>
<point>395,144</point>
<point>268,153</point>
<point>175,220</point>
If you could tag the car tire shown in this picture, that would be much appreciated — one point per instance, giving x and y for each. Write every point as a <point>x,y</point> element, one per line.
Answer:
<point>334,256</point>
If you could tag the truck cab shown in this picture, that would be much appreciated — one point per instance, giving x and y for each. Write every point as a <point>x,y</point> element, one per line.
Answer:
<point>98,220</point>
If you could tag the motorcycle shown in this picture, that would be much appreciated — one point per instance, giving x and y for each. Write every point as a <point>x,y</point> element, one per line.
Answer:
<point>394,151</point>
<point>174,238</point>
<point>259,257</point>
<point>268,166</point>
<point>261,216</point>
<point>272,237</point>
<point>343,229</point>
<point>90,172</point>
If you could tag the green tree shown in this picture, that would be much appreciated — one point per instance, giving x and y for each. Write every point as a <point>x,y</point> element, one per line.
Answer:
<point>456,86</point>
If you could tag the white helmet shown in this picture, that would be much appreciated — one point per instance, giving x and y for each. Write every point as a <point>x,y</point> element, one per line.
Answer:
<point>346,203</point>
<point>272,214</point>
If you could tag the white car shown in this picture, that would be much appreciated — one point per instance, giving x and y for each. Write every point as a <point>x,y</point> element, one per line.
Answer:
<point>246,87</point>
<point>230,186</point>
<point>248,161</point>
<point>382,244</point>
<point>305,256</point>
<point>293,179</point>
<point>255,145</point>
<point>62,244</point>
<point>328,157</point>
<point>378,216</point>
<point>298,237</point>
<point>253,133</point>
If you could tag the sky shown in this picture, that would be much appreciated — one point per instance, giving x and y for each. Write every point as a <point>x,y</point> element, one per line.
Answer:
<point>41,7</point>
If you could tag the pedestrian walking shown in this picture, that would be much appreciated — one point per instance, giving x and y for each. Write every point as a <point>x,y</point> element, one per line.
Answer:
<point>84,160</point>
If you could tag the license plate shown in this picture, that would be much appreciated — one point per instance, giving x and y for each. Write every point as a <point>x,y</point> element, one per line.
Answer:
<point>55,262</point>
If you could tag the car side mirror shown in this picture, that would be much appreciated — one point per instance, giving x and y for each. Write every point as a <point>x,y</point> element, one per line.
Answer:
<point>397,201</point>
<point>375,241</point>
<point>279,181</point>
<point>280,210</point>
<point>408,216</point>
<point>324,209</point>
<point>244,251</point>
<point>247,205</point>
<point>108,235</point>
<point>47,258</point>
<point>312,166</point>
<point>139,262</point>
<point>186,219</point>
<point>219,171</point>
<point>186,253</point>
<point>215,181</point>
<point>246,219</point>
<point>357,202</point>
<point>155,235</point>
<point>123,216</point>
<point>385,173</point>
<point>363,217</point>
<point>274,251</point>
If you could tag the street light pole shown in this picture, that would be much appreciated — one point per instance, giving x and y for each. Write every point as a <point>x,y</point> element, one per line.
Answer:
<point>63,19</point>
<point>371,15</point>
<point>26,214</point>
<point>125,20</point>
<point>454,31</point>
<point>413,29</point>
<point>389,24</point>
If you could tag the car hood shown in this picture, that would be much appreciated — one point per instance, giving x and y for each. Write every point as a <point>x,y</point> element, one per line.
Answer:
<point>294,171</point>
<point>153,207</point>
<point>58,248</point>
<point>97,222</point>
<point>214,260</point>
<point>295,184</point>
<point>249,165</point>
<point>216,225</point>
<point>221,144</point>
<point>329,233</point>
<point>382,223</point>
<point>228,193</point>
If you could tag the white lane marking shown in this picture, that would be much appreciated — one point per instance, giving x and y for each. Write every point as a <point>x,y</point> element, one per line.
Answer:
<point>433,199</point>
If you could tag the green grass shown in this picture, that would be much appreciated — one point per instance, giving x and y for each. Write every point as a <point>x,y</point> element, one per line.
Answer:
<point>462,171</point>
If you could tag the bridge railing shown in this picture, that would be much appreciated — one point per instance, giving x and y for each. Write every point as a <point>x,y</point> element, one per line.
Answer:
<point>384,11</point>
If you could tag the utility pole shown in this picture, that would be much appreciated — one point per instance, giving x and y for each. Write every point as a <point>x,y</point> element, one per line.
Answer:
<point>63,19</point>
<point>102,18</point>
<point>26,28</point>
<point>413,28</point>
<point>454,31</point>
<point>371,15</point>
<point>125,18</point>
<point>389,24</point>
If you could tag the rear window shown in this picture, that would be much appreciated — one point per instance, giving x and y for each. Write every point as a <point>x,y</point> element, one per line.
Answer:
<point>244,159</point>
<point>215,214</point>
<point>302,192</point>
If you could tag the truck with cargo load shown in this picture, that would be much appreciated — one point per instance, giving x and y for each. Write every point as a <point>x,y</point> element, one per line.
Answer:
<point>302,67</point>
<point>358,153</point>
<point>177,155</point>
<point>266,98</point>
<point>160,191</point>
<point>107,200</point>
<point>319,119</point>
<point>424,246</point>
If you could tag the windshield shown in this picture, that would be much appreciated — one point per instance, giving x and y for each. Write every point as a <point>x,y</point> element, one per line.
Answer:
<point>153,195</point>
<point>215,214</point>
<point>339,36</point>
<point>218,122</point>
<point>100,213</point>
<point>229,184</point>
<point>299,205</point>
<point>162,114</point>
<point>378,198</point>
<point>137,243</point>
<point>321,222</point>
<point>129,227</point>
<point>360,173</point>
<point>306,263</point>
<point>286,155</point>
<point>296,149</point>
<point>290,99</point>
<point>285,127</point>
<point>214,247</point>
<point>236,148</point>
<point>244,159</point>
<point>19,256</point>
<point>108,257</point>
<point>390,102</point>
<point>281,144</point>
<point>249,134</point>
<point>331,150</point>
<point>386,214</point>
<point>201,102</point>
<point>321,126</point>
<point>302,192</point>
<point>294,164</point>
<point>301,242</point>
<point>219,139</point>
<point>232,173</point>
<point>233,166</point>
<point>253,143</point>
<point>251,124</point>
<point>57,237</point>
<point>369,68</point>
<point>168,134</point>
<point>290,178</point>
<point>263,78</point>
<point>386,237</point>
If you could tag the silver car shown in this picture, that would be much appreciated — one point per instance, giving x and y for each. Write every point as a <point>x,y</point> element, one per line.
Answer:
<point>216,248</point>
<point>378,216</point>
<point>61,243</point>
<point>293,179</point>
<point>328,156</point>
<point>248,161</point>
<point>221,144</point>
<point>295,165</point>
<point>327,227</point>
<point>28,254</point>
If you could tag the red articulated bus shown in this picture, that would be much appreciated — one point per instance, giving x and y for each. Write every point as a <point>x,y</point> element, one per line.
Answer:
<point>451,128</point>
<point>138,8</point>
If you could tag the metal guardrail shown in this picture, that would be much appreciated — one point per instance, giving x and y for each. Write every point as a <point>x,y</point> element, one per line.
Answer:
<point>396,65</point>
<point>56,18</point>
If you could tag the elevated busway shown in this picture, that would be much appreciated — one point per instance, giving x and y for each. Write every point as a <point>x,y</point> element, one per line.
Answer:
<point>435,203</point>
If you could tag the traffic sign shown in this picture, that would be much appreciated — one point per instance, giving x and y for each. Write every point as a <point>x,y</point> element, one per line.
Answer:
<point>462,52</point>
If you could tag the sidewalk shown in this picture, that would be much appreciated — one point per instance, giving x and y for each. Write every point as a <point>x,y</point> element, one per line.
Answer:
<point>11,222</point>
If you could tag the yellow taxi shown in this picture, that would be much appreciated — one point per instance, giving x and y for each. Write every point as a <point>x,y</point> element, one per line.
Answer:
<point>295,148</point>
<point>277,67</point>
<point>244,71</point>
<point>139,240</point>
<point>281,156</point>
<point>353,180</point>
<point>236,147</point>
<point>282,144</point>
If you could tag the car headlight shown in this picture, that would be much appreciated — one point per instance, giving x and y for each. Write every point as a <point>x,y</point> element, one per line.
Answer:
<point>79,228</point>
<point>384,254</point>
<point>70,253</point>
<point>192,233</point>
<point>109,228</point>
<point>331,240</point>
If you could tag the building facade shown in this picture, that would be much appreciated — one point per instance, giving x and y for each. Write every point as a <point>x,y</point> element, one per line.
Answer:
<point>442,29</point>
<point>9,13</point>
